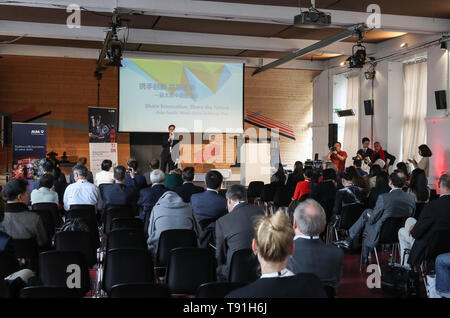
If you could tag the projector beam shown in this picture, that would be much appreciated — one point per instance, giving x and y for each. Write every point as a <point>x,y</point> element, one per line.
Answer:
<point>316,46</point>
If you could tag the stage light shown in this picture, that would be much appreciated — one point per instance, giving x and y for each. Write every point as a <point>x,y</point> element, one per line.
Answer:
<point>443,45</point>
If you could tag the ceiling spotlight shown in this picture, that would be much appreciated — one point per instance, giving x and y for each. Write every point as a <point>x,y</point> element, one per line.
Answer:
<point>443,45</point>
<point>342,63</point>
<point>404,44</point>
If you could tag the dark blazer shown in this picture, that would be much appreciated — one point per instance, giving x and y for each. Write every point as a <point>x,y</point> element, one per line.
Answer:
<point>435,214</point>
<point>186,190</point>
<point>325,194</point>
<point>367,153</point>
<point>149,196</point>
<point>326,261</point>
<point>166,145</point>
<point>208,205</point>
<point>234,231</point>
<point>116,194</point>
<point>348,195</point>
<point>89,178</point>
<point>396,203</point>
<point>297,286</point>
<point>140,181</point>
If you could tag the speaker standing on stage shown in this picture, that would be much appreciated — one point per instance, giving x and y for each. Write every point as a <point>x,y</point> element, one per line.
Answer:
<point>168,143</point>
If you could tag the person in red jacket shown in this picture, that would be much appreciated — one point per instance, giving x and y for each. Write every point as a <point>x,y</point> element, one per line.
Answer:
<point>337,156</point>
<point>302,187</point>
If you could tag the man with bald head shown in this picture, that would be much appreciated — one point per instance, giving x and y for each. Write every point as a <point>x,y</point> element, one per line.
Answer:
<point>311,254</point>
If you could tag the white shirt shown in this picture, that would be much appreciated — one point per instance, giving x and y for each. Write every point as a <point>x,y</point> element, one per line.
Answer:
<point>208,189</point>
<point>393,189</point>
<point>306,237</point>
<point>283,273</point>
<point>104,177</point>
<point>82,192</point>
<point>43,195</point>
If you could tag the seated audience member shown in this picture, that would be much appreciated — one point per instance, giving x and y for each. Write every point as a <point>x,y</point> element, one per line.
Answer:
<point>106,176</point>
<point>139,180</point>
<point>60,184</point>
<point>82,191</point>
<point>45,166</point>
<point>303,187</point>
<point>279,175</point>
<point>210,204</point>
<point>18,222</point>
<point>169,213</point>
<point>416,235</point>
<point>82,162</point>
<point>381,186</point>
<point>295,177</point>
<point>404,168</point>
<point>153,165</point>
<point>234,231</point>
<point>424,163</point>
<point>396,203</point>
<point>357,179</point>
<point>419,186</point>
<point>46,191</point>
<point>173,179</point>
<point>374,171</point>
<point>273,243</point>
<point>357,164</point>
<point>325,191</point>
<point>365,151</point>
<point>149,196</point>
<point>117,194</point>
<point>350,194</point>
<point>311,254</point>
<point>188,188</point>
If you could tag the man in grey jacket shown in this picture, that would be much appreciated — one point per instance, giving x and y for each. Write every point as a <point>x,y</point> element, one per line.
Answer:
<point>395,203</point>
<point>169,213</point>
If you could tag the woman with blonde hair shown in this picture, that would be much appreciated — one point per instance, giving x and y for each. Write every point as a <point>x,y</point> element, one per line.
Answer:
<point>273,244</point>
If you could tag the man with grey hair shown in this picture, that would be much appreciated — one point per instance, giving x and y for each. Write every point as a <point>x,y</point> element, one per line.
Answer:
<point>82,191</point>
<point>149,196</point>
<point>311,254</point>
<point>234,231</point>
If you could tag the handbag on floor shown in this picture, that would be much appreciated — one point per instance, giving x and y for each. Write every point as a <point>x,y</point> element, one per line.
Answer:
<point>399,281</point>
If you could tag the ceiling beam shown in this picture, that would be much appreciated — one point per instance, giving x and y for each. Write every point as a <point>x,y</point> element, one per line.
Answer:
<point>144,36</point>
<point>248,13</point>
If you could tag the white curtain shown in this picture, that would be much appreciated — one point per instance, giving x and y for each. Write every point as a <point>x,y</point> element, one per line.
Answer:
<point>350,142</point>
<point>414,109</point>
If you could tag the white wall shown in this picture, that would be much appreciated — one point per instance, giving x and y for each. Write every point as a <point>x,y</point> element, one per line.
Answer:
<point>322,113</point>
<point>438,122</point>
<point>340,85</point>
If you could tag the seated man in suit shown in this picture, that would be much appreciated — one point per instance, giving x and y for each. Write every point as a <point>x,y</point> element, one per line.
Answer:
<point>89,176</point>
<point>435,215</point>
<point>139,180</point>
<point>311,254</point>
<point>18,222</point>
<point>395,203</point>
<point>117,194</point>
<point>234,231</point>
<point>149,196</point>
<point>188,188</point>
<point>210,204</point>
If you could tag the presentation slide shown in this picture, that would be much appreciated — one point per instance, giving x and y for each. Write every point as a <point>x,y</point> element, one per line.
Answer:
<point>194,96</point>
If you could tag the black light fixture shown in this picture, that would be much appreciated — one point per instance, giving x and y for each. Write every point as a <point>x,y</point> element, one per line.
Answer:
<point>358,57</point>
<point>443,45</point>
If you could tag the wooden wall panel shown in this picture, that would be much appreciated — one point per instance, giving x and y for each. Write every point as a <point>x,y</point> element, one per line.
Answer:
<point>33,85</point>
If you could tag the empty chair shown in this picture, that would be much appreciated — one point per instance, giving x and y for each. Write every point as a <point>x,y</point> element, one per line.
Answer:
<point>171,239</point>
<point>48,221</point>
<point>49,292</point>
<point>115,212</point>
<point>126,238</point>
<point>127,266</point>
<point>53,208</point>
<point>127,223</point>
<point>77,241</point>
<point>217,289</point>
<point>389,235</point>
<point>349,215</point>
<point>244,267</point>
<point>188,268</point>
<point>62,268</point>
<point>139,290</point>
<point>90,219</point>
